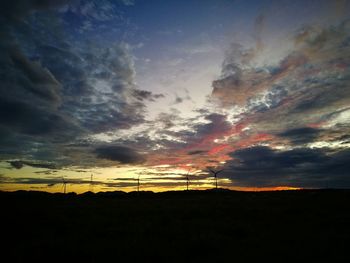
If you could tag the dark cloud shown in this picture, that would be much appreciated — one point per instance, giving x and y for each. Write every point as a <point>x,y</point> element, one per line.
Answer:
<point>218,124</point>
<point>146,95</point>
<point>26,118</point>
<point>49,181</point>
<point>301,135</point>
<point>99,10</point>
<point>38,79</point>
<point>99,89</point>
<point>16,164</point>
<point>167,120</point>
<point>196,152</point>
<point>119,154</point>
<point>302,167</point>
<point>53,91</point>
<point>30,94</point>
<point>178,100</point>
<point>20,164</point>
<point>19,8</point>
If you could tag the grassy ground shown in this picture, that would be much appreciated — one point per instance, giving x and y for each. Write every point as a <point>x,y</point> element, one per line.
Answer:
<point>194,226</point>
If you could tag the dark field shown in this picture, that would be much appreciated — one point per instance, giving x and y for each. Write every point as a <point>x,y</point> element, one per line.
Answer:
<point>194,226</point>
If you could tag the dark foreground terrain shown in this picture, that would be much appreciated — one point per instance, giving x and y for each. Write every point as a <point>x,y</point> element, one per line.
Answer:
<point>194,226</point>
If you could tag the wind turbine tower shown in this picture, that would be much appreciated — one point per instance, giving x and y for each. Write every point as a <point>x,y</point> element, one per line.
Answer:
<point>215,174</point>
<point>138,184</point>
<point>91,188</point>
<point>64,182</point>
<point>187,180</point>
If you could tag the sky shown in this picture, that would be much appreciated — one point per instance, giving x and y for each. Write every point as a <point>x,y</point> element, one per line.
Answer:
<point>101,94</point>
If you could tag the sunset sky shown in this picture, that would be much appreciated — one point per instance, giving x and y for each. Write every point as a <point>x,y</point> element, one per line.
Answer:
<point>116,90</point>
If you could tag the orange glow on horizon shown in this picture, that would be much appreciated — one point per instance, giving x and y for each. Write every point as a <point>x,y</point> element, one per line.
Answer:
<point>269,188</point>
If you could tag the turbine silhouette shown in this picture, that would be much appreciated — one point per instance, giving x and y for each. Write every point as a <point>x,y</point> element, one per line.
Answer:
<point>187,180</point>
<point>64,185</point>
<point>138,184</point>
<point>215,174</point>
<point>91,187</point>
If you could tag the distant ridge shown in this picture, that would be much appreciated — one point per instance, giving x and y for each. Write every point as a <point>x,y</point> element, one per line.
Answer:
<point>221,191</point>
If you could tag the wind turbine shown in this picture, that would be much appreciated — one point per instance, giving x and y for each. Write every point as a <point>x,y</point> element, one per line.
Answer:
<point>64,185</point>
<point>187,179</point>
<point>215,174</point>
<point>91,186</point>
<point>138,184</point>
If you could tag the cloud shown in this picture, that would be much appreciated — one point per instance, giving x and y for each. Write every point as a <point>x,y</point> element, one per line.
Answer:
<point>20,8</point>
<point>40,81</point>
<point>119,154</point>
<point>300,102</point>
<point>54,92</point>
<point>20,164</point>
<point>97,10</point>
<point>25,118</point>
<point>180,99</point>
<point>109,98</point>
<point>316,51</point>
<point>64,90</point>
<point>301,135</point>
<point>49,181</point>
<point>16,164</point>
<point>30,94</point>
<point>196,152</point>
<point>239,80</point>
<point>217,123</point>
<point>146,95</point>
<point>303,167</point>
<point>198,138</point>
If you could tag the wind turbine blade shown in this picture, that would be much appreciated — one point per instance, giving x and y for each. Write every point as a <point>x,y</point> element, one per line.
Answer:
<point>211,171</point>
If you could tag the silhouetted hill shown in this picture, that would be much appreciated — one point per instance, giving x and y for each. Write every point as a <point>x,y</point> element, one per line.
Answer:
<point>177,226</point>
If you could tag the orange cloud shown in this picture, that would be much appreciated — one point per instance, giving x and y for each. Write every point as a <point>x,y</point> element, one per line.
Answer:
<point>218,149</point>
